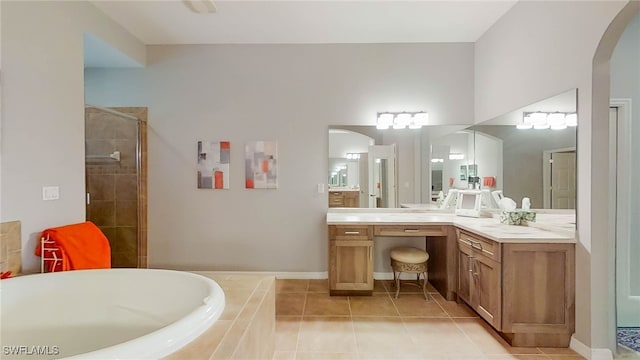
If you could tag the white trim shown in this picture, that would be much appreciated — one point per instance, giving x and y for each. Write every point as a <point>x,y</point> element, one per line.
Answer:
<point>389,276</point>
<point>601,354</point>
<point>589,353</point>
<point>322,275</point>
<point>577,346</point>
<point>626,303</point>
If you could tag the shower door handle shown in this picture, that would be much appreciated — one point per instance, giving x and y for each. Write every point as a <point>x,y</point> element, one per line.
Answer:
<point>88,198</point>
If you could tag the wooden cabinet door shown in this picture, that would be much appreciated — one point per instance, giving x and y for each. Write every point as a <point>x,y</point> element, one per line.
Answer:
<point>487,289</point>
<point>351,199</point>
<point>480,277</point>
<point>350,258</point>
<point>465,260</point>
<point>351,266</point>
<point>539,289</point>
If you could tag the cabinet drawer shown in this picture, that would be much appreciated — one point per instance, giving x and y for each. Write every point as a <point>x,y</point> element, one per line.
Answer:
<point>350,232</point>
<point>410,230</point>
<point>488,248</point>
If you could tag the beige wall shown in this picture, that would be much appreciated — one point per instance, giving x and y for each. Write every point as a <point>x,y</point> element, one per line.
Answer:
<point>551,54</point>
<point>288,93</point>
<point>43,110</point>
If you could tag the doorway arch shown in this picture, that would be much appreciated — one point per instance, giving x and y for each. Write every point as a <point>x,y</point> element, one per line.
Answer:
<point>603,323</point>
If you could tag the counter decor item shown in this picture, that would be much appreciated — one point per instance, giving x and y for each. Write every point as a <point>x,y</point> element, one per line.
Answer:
<point>516,217</point>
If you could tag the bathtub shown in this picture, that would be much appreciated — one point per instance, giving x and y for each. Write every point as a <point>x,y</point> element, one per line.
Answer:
<point>105,314</point>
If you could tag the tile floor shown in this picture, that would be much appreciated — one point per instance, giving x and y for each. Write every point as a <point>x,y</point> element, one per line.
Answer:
<point>310,324</point>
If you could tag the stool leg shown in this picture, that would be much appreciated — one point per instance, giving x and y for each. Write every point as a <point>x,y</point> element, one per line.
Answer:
<point>424,287</point>
<point>397,283</point>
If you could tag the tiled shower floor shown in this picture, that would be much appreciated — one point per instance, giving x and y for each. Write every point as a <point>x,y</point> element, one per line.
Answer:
<point>310,324</point>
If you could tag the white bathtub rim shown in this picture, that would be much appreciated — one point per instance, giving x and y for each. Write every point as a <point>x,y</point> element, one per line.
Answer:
<point>181,331</point>
<point>168,339</point>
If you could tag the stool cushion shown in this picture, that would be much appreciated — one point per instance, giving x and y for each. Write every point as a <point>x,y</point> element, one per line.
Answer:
<point>410,255</point>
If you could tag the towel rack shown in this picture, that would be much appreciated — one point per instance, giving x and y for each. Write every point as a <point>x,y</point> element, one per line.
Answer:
<point>48,253</point>
<point>113,156</point>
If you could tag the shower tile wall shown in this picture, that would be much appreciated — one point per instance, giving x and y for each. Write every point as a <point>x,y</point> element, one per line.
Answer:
<point>113,185</point>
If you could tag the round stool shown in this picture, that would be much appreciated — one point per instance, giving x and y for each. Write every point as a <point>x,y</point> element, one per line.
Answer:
<point>409,260</point>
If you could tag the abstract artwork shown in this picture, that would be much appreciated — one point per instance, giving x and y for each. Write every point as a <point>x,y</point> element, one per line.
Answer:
<point>261,165</point>
<point>213,164</point>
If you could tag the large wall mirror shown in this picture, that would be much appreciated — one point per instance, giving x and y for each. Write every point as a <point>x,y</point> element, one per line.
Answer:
<point>414,168</point>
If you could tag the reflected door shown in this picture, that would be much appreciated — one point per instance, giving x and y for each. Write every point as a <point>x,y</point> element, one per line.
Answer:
<point>563,180</point>
<point>363,182</point>
<point>382,176</point>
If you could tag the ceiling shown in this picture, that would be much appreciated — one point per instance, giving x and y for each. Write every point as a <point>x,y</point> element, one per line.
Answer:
<point>306,22</point>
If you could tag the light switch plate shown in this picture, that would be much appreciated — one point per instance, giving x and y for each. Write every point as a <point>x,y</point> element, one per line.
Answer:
<point>50,193</point>
<point>320,188</point>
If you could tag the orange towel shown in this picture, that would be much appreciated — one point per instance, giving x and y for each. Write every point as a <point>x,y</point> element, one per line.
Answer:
<point>82,246</point>
<point>489,181</point>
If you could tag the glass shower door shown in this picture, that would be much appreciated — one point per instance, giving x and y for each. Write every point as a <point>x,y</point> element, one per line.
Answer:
<point>112,181</point>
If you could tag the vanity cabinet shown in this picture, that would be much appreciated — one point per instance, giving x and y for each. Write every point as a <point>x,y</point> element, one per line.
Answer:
<point>526,291</point>
<point>350,259</point>
<point>479,276</point>
<point>344,199</point>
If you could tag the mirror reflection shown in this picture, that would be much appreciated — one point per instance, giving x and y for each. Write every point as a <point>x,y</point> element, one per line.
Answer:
<point>418,168</point>
<point>362,167</point>
<point>536,160</point>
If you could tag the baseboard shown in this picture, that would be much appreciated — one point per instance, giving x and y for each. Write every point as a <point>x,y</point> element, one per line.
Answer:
<point>601,354</point>
<point>311,275</point>
<point>577,346</point>
<point>389,276</point>
<point>323,275</point>
<point>589,353</point>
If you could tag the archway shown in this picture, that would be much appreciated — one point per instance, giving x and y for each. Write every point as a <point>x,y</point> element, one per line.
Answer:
<point>603,321</point>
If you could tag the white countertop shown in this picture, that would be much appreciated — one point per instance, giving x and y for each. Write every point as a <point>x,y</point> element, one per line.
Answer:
<point>552,228</point>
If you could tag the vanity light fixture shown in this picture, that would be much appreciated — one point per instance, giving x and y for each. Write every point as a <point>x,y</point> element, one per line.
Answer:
<point>571,119</point>
<point>544,120</point>
<point>437,160</point>
<point>456,156</point>
<point>401,120</point>
<point>353,156</point>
